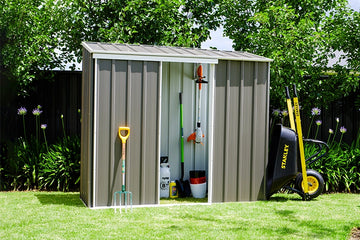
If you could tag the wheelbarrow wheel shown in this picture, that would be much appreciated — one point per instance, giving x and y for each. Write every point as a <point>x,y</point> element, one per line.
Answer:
<point>315,181</point>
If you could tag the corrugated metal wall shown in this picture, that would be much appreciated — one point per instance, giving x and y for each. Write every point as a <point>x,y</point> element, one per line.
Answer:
<point>240,131</point>
<point>179,77</point>
<point>127,95</point>
<point>87,111</point>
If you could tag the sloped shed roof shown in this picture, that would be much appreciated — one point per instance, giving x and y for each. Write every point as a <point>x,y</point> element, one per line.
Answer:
<point>166,54</point>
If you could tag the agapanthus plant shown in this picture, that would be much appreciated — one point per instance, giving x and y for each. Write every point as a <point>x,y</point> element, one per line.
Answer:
<point>336,128</point>
<point>22,112</point>
<point>330,132</point>
<point>36,112</point>
<point>43,127</point>
<point>318,124</point>
<point>343,130</point>
<point>314,112</point>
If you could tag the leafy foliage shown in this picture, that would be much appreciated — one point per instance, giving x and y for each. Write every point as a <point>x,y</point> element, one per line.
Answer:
<point>47,34</point>
<point>301,37</point>
<point>341,169</point>
<point>31,164</point>
<point>30,39</point>
<point>60,167</point>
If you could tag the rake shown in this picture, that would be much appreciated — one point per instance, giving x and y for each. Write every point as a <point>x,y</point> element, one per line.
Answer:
<point>127,195</point>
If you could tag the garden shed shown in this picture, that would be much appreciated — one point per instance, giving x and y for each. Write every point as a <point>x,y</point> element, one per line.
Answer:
<point>138,86</point>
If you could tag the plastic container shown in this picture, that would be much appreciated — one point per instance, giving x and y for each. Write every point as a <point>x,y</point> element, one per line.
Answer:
<point>198,180</point>
<point>198,190</point>
<point>197,173</point>
<point>197,176</point>
<point>164,180</point>
<point>173,190</point>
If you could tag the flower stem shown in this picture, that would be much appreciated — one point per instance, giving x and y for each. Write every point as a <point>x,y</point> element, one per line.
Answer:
<point>308,133</point>
<point>47,148</point>
<point>317,131</point>
<point>63,126</point>
<point>327,142</point>
<point>341,138</point>
<point>337,125</point>
<point>24,126</point>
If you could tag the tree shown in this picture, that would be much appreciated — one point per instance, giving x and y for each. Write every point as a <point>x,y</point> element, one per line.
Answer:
<point>297,36</point>
<point>44,34</point>
<point>30,39</point>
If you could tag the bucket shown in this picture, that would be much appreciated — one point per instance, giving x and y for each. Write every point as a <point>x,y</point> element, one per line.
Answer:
<point>198,180</point>
<point>197,173</point>
<point>198,190</point>
<point>197,176</point>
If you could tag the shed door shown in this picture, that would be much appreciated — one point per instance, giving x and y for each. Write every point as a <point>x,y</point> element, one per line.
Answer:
<point>127,95</point>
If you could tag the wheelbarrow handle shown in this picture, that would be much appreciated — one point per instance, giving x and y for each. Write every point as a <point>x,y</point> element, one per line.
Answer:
<point>287,92</point>
<point>295,92</point>
<point>126,136</point>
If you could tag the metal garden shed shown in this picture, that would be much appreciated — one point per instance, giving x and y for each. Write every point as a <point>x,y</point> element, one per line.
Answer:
<point>138,86</point>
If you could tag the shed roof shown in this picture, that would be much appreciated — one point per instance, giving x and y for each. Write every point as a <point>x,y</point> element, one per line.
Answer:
<point>166,53</point>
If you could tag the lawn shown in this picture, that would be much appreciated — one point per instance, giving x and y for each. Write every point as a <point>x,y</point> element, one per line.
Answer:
<point>56,215</point>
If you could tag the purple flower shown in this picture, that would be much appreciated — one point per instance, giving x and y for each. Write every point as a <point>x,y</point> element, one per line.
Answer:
<point>36,112</point>
<point>343,130</point>
<point>284,113</point>
<point>43,126</point>
<point>22,111</point>
<point>331,131</point>
<point>318,122</point>
<point>315,111</point>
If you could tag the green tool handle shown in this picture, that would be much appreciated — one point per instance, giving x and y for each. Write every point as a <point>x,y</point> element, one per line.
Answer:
<point>182,136</point>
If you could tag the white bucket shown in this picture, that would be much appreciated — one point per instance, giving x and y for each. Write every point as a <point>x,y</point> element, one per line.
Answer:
<point>198,190</point>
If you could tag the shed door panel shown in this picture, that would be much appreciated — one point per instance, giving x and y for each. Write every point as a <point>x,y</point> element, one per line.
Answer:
<point>240,130</point>
<point>128,93</point>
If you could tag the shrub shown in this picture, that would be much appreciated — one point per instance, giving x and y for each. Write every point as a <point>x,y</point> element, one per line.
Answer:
<point>60,168</point>
<point>33,164</point>
<point>341,166</point>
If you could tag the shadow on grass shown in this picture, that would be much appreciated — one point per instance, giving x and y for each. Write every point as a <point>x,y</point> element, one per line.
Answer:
<point>288,197</point>
<point>59,198</point>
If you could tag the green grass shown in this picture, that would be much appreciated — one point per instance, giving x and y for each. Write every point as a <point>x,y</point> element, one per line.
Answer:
<point>56,215</point>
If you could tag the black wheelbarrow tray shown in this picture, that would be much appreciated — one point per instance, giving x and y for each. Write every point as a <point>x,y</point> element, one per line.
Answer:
<point>284,165</point>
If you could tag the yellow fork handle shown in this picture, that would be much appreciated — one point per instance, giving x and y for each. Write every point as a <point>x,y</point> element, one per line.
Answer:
<point>126,136</point>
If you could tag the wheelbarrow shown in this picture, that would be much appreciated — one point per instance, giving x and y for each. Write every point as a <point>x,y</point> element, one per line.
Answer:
<point>287,166</point>
<point>284,166</point>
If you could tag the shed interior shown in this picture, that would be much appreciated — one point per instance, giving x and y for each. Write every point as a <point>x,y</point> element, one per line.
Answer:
<point>176,78</point>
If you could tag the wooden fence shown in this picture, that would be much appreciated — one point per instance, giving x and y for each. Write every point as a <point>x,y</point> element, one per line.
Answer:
<point>59,96</point>
<point>62,96</point>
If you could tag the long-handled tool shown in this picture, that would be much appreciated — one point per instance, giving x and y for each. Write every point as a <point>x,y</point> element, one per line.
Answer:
<point>198,136</point>
<point>127,195</point>
<point>301,143</point>
<point>182,186</point>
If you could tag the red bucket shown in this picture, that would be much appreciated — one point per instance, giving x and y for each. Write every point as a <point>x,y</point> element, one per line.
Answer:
<point>198,180</point>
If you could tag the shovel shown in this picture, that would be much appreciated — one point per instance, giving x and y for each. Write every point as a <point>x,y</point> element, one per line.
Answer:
<point>182,186</point>
<point>127,195</point>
